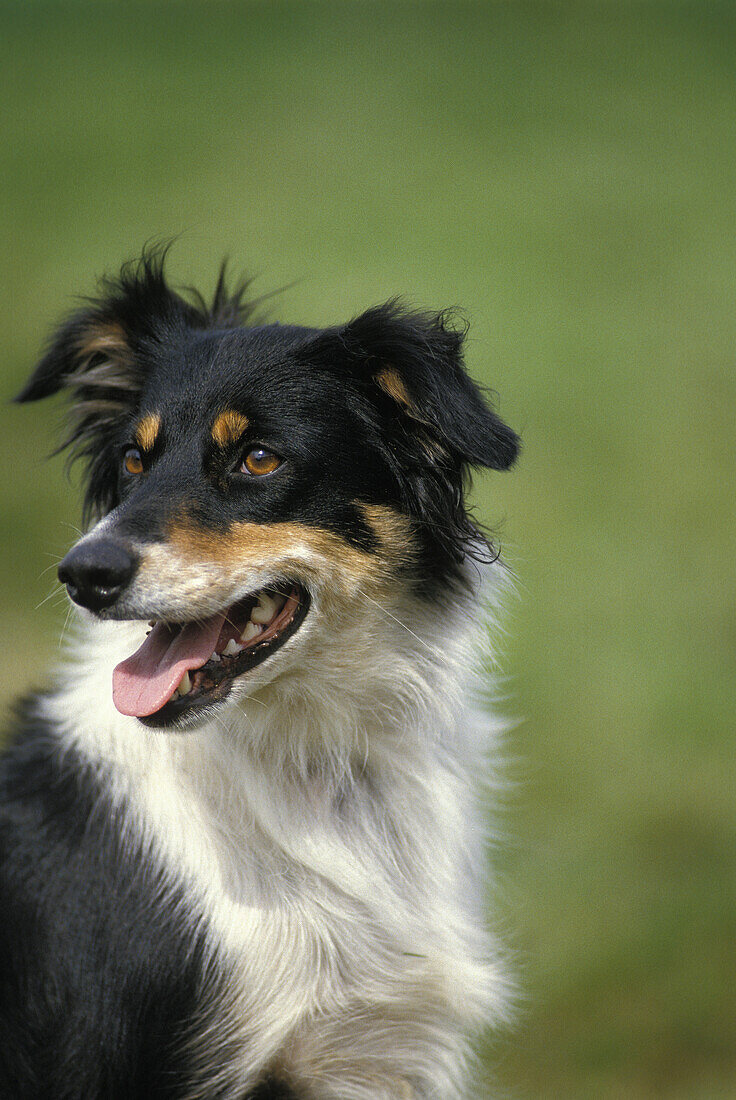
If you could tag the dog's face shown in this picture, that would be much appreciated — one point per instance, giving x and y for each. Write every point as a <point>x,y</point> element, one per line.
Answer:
<point>258,486</point>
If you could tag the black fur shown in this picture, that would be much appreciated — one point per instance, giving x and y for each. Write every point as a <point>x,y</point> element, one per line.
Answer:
<point>102,979</point>
<point>312,395</point>
<point>147,312</point>
<point>430,444</point>
<point>98,983</point>
<point>101,974</point>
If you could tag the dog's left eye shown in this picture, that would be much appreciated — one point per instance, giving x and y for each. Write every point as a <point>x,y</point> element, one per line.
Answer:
<point>260,461</point>
<point>133,461</point>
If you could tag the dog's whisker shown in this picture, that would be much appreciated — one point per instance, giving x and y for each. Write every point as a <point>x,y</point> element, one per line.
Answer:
<point>58,590</point>
<point>385,611</point>
<point>64,627</point>
<point>77,530</point>
<point>48,568</point>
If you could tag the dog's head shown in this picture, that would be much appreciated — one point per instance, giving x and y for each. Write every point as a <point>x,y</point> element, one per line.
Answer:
<point>254,483</point>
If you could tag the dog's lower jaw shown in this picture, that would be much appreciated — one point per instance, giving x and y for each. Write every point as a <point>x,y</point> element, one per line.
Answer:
<point>210,686</point>
<point>333,851</point>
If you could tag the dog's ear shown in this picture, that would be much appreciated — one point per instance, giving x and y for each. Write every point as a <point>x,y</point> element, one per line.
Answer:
<point>96,349</point>
<point>93,352</point>
<point>415,360</point>
<point>89,353</point>
<point>96,357</point>
<point>99,356</point>
<point>433,420</point>
<point>92,359</point>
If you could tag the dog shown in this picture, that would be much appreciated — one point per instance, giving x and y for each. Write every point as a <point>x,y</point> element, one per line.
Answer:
<point>241,838</point>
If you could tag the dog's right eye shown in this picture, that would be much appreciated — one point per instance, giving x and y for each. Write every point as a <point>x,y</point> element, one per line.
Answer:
<point>259,461</point>
<point>132,461</point>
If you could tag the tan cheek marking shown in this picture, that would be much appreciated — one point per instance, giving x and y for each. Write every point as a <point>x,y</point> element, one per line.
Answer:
<point>147,431</point>
<point>254,545</point>
<point>392,529</point>
<point>228,427</point>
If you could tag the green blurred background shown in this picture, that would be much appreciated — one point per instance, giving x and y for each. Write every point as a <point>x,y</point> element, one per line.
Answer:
<point>566,174</point>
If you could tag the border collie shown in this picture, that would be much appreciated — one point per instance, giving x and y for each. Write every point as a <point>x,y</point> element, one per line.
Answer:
<point>241,840</point>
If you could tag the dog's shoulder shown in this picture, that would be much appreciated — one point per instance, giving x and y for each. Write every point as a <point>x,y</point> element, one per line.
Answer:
<point>100,977</point>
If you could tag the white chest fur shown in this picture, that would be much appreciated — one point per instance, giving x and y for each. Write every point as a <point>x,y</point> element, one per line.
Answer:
<point>332,847</point>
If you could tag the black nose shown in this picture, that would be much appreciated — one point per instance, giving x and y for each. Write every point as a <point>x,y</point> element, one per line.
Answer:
<point>95,572</point>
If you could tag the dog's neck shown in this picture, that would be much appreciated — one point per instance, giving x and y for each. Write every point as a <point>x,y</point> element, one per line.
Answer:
<point>332,815</point>
<point>343,741</point>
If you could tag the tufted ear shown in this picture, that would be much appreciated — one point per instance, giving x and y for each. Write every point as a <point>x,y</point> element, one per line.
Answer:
<point>98,356</point>
<point>416,360</point>
<point>93,351</point>
<point>90,350</point>
<point>93,356</point>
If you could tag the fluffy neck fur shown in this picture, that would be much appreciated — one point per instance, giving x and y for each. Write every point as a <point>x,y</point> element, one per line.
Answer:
<point>329,827</point>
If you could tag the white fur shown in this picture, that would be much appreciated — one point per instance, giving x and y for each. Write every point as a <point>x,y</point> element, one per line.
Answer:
<point>327,825</point>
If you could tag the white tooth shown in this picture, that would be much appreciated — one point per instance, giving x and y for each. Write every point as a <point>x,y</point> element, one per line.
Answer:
<point>216,657</point>
<point>251,631</point>
<point>232,648</point>
<point>266,608</point>
<point>185,684</point>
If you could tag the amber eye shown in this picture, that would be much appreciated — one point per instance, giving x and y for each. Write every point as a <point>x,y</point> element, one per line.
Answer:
<point>260,461</point>
<point>132,461</point>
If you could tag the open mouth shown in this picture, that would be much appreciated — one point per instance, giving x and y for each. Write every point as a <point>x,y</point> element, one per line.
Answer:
<point>186,667</point>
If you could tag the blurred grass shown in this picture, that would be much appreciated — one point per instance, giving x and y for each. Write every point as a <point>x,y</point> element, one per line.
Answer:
<point>566,173</point>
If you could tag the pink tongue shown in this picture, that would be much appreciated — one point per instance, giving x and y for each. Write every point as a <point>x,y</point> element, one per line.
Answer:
<point>147,679</point>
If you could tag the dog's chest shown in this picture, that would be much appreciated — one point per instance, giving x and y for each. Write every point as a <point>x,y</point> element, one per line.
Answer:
<point>317,917</point>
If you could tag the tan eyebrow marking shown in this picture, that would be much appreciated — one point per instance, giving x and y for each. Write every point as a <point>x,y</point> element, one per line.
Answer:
<point>391,384</point>
<point>228,427</point>
<point>147,431</point>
